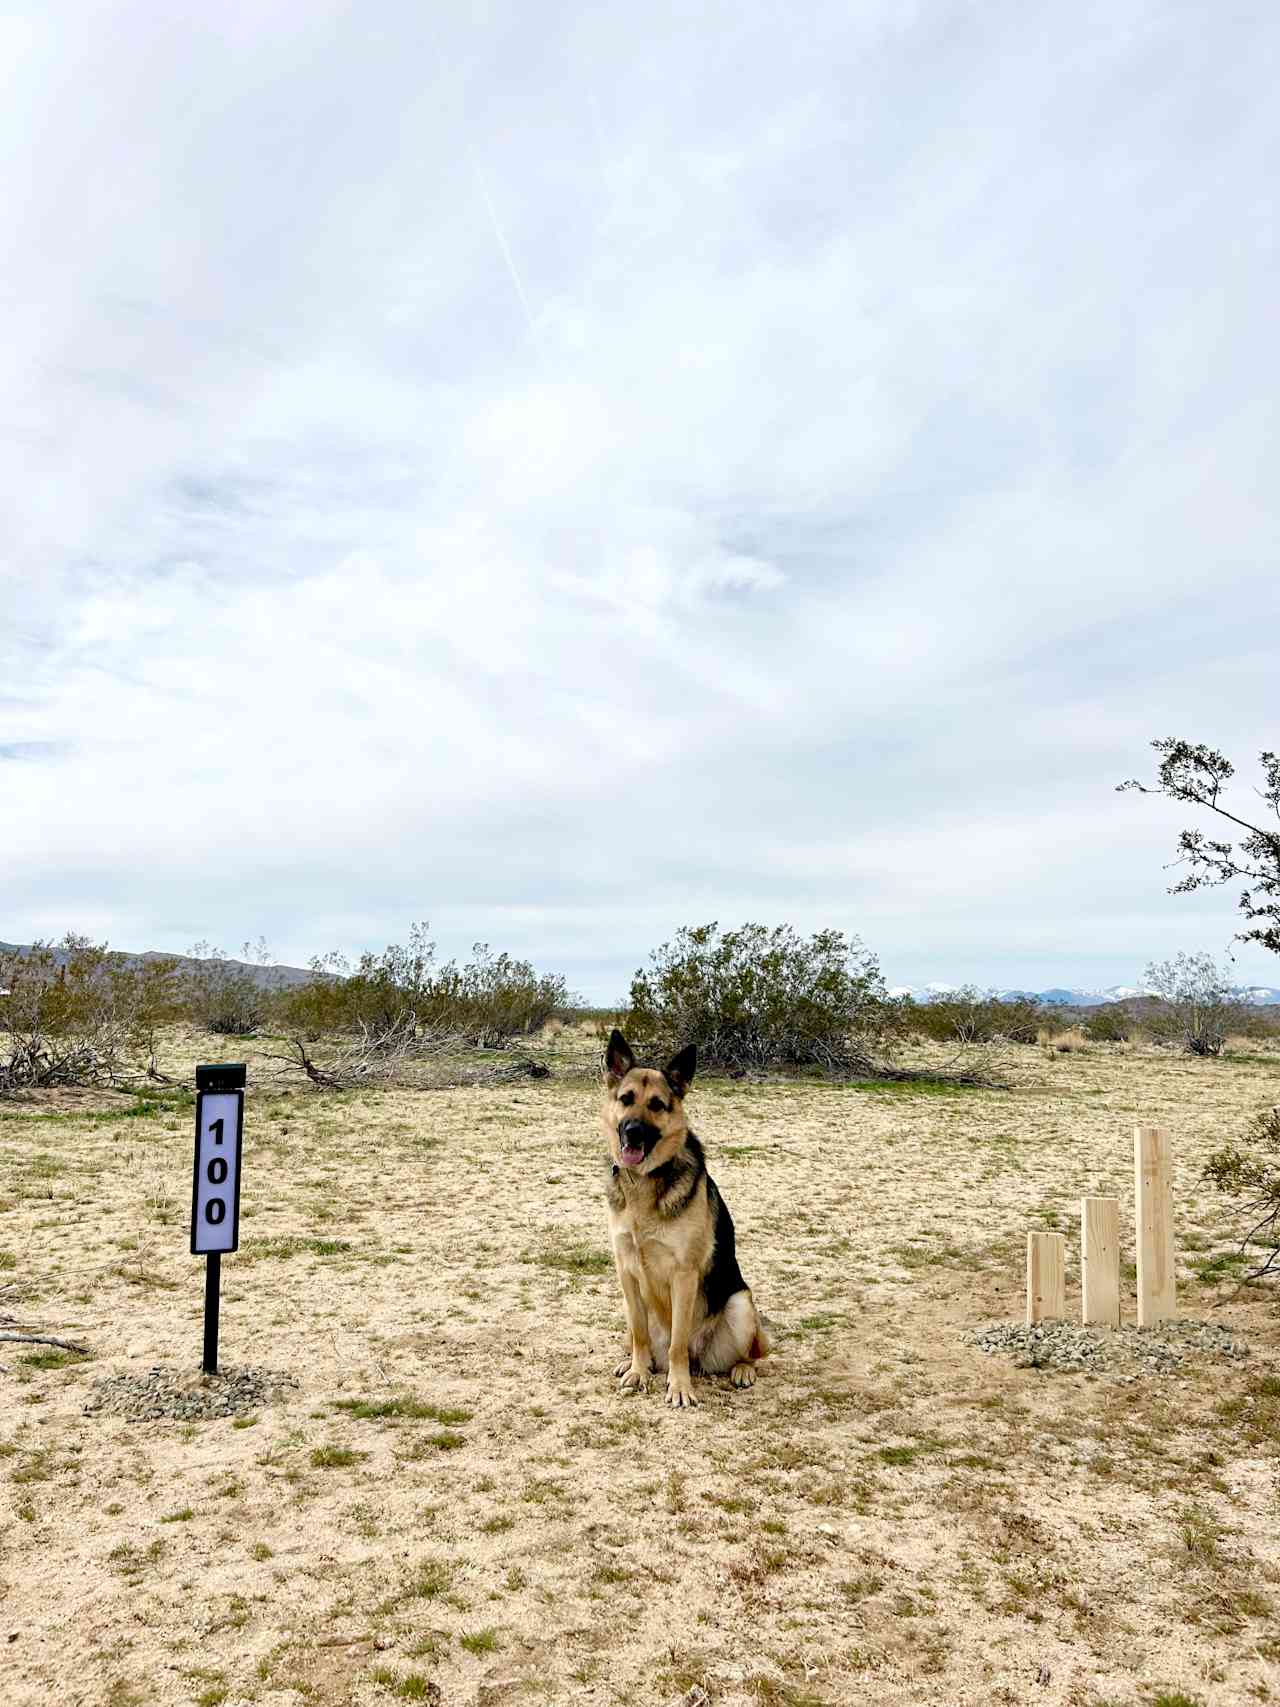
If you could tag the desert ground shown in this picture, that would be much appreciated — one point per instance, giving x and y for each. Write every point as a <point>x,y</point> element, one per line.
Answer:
<point>455,1503</point>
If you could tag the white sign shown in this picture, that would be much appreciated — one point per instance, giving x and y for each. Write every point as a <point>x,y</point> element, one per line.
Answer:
<point>215,1190</point>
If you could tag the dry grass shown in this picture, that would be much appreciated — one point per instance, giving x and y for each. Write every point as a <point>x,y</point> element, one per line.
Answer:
<point>1069,1041</point>
<point>458,1504</point>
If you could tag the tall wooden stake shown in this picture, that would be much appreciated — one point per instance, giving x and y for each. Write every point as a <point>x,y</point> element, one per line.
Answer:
<point>1046,1276</point>
<point>1100,1261</point>
<point>1153,1183</point>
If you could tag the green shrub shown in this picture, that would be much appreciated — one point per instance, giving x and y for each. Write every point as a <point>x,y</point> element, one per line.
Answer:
<point>760,997</point>
<point>968,1016</point>
<point>493,998</point>
<point>1252,1177</point>
<point>1109,1025</point>
<point>231,998</point>
<point>77,1013</point>
<point>402,994</point>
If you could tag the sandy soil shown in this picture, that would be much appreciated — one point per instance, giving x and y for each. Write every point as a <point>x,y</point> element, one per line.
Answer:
<point>888,1517</point>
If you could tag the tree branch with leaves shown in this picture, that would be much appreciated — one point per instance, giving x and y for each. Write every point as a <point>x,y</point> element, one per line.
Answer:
<point>1197,776</point>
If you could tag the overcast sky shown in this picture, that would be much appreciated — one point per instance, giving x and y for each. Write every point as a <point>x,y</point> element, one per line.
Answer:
<point>566,471</point>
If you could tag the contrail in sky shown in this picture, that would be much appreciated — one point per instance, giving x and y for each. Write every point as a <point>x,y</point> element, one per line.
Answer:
<point>506,252</point>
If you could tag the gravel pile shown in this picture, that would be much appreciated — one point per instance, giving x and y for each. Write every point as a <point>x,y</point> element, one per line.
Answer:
<point>1126,1353</point>
<point>186,1396</point>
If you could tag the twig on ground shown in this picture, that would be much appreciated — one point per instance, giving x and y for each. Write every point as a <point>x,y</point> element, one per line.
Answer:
<point>44,1339</point>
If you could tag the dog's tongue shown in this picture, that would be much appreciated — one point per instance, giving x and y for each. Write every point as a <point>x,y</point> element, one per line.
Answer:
<point>632,1156</point>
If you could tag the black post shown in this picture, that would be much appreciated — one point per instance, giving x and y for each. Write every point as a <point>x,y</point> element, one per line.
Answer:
<point>212,1291</point>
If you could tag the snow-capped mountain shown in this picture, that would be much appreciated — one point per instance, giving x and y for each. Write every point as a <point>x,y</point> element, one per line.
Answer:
<point>1254,995</point>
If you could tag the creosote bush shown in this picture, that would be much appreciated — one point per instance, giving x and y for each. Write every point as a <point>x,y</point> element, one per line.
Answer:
<point>759,997</point>
<point>1252,1177</point>
<point>969,1016</point>
<point>225,996</point>
<point>1195,1006</point>
<point>402,994</point>
<point>1110,1025</point>
<point>76,1013</point>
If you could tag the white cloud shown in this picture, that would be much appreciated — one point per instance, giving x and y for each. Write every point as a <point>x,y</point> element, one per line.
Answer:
<point>567,474</point>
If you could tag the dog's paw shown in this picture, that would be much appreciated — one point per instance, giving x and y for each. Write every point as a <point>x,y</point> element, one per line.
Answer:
<point>633,1373</point>
<point>743,1374</point>
<point>680,1391</point>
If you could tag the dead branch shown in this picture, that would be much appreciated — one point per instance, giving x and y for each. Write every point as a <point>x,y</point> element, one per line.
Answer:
<point>44,1339</point>
<point>376,1054</point>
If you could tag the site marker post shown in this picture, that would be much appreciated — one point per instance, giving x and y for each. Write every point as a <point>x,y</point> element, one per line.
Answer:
<point>1153,1189</point>
<point>215,1185</point>
<point>1100,1261</point>
<point>1046,1277</point>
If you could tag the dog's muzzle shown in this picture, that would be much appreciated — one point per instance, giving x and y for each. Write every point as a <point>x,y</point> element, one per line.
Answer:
<point>636,1138</point>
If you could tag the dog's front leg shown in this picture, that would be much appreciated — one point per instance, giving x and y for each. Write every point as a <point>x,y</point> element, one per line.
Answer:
<point>684,1289</point>
<point>635,1371</point>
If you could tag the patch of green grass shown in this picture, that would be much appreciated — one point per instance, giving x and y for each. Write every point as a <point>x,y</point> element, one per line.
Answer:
<point>480,1642</point>
<point>497,1525</point>
<point>335,1457</point>
<point>55,1359</point>
<point>1200,1534</point>
<point>260,1551</point>
<point>446,1440</point>
<point>292,1245</point>
<point>403,1406</point>
<point>431,1579</point>
<point>412,1687</point>
<point>573,1259</point>
<point>8,1260</point>
<point>244,1422</point>
<point>1223,1266</point>
<point>132,1561</point>
<point>183,1516</point>
<point>923,1087</point>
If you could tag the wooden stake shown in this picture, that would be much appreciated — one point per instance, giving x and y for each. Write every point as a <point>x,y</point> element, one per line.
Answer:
<point>1153,1184</point>
<point>1100,1261</point>
<point>1046,1276</point>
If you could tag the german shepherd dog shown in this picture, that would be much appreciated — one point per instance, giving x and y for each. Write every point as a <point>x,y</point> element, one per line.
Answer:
<point>687,1303</point>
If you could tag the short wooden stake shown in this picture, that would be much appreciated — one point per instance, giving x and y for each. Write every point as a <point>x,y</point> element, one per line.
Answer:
<point>1153,1183</point>
<point>1100,1261</point>
<point>1046,1276</point>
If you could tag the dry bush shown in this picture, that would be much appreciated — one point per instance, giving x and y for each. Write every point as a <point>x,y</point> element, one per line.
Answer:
<point>76,1013</point>
<point>395,1011</point>
<point>1068,1042</point>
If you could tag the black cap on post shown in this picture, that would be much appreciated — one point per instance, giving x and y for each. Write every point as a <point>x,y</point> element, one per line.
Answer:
<point>226,1076</point>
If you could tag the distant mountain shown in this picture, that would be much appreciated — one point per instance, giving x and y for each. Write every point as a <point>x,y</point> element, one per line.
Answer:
<point>264,977</point>
<point>1254,995</point>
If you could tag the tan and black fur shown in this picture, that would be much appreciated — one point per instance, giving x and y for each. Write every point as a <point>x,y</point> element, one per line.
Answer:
<point>673,1242</point>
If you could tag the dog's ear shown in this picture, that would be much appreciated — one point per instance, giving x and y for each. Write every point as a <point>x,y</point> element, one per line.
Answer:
<point>618,1059</point>
<point>681,1068</point>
